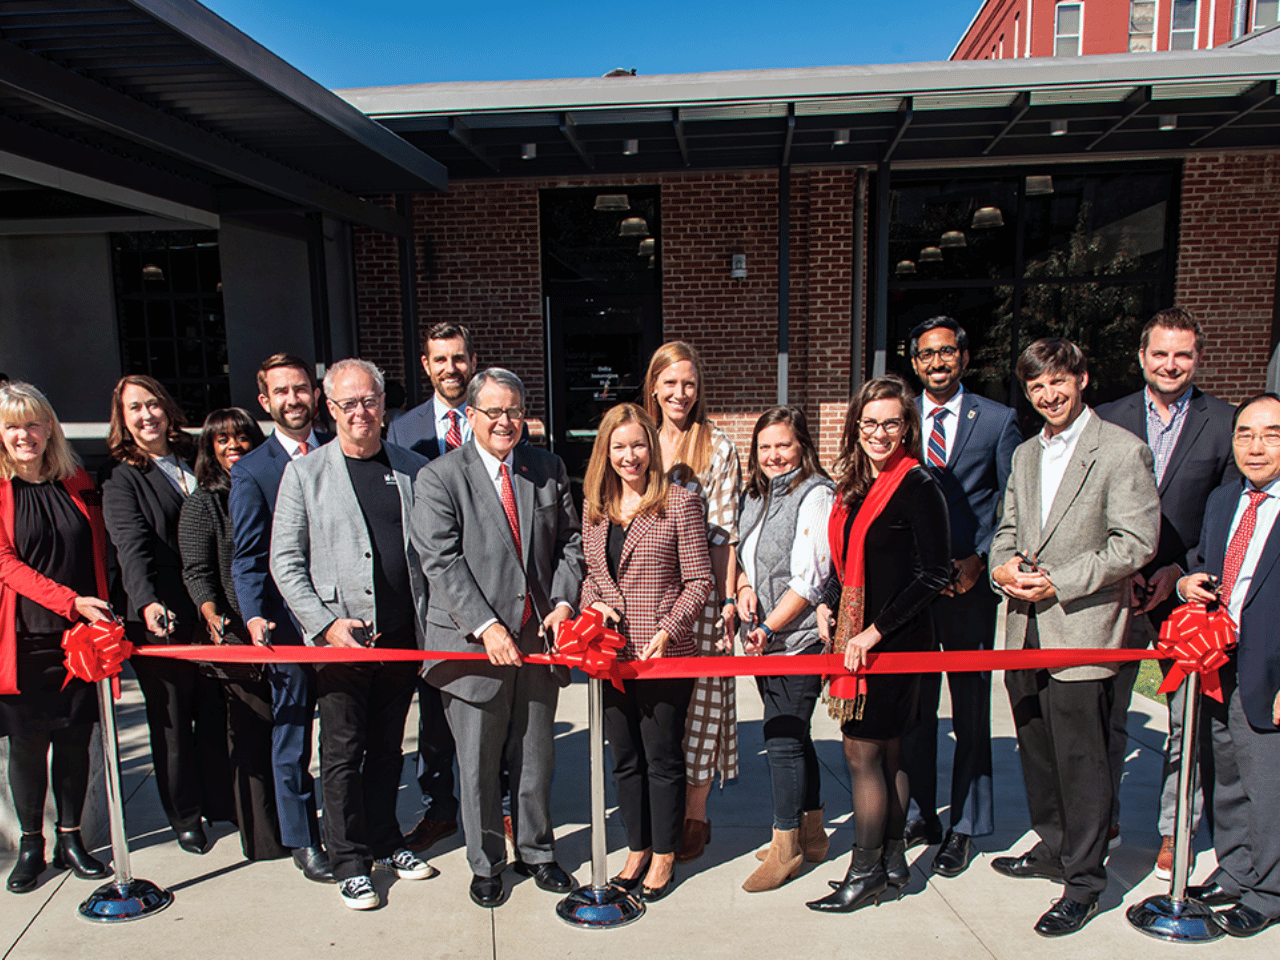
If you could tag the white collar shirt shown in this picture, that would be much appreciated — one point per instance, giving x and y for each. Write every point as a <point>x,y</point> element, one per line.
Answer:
<point>1055,455</point>
<point>441,411</point>
<point>291,446</point>
<point>950,423</point>
<point>1268,510</point>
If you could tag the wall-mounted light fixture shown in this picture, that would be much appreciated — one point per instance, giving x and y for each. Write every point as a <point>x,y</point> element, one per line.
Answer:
<point>1168,121</point>
<point>529,151</point>
<point>738,266</point>
<point>630,148</point>
<point>1057,128</point>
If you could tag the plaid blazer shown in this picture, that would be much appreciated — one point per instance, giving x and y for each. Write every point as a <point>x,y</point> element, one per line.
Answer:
<point>664,576</point>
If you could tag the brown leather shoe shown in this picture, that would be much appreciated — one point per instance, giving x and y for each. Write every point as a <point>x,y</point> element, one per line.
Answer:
<point>697,834</point>
<point>428,833</point>
<point>509,830</point>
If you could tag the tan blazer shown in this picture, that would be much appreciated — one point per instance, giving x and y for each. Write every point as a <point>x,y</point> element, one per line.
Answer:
<point>1103,526</point>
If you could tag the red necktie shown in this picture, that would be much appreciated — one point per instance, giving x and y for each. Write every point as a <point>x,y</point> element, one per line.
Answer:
<point>513,521</point>
<point>453,439</point>
<point>303,449</point>
<point>1239,544</point>
<point>937,452</point>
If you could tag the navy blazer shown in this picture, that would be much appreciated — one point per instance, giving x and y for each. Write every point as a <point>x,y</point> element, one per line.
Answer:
<point>255,481</point>
<point>1258,656</point>
<point>977,470</point>
<point>416,430</point>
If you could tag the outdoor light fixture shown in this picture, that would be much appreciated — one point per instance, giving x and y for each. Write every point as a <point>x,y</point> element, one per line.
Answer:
<point>738,266</point>
<point>1039,186</point>
<point>953,238</point>
<point>905,268</point>
<point>986,218</point>
<point>841,138</point>
<point>646,247</point>
<point>633,227</point>
<point>1168,121</point>
<point>931,255</point>
<point>630,148</point>
<point>152,272</point>
<point>612,201</point>
<point>1057,128</point>
<point>528,151</point>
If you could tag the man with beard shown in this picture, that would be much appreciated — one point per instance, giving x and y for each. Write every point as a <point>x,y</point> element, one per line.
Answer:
<point>969,444</point>
<point>287,393</point>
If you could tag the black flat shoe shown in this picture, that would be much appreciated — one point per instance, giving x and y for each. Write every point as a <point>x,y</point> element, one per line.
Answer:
<point>630,883</point>
<point>1211,894</point>
<point>549,876</point>
<point>488,891</point>
<point>1026,866</point>
<point>654,894</point>
<point>193,840</point>
<point>922,833</point>
<point>314,864</point>
<point>1242,921</point>
<point>1064,917</point>
<point>952,858</point>
<point>26,872</point>
<point>69,853</point>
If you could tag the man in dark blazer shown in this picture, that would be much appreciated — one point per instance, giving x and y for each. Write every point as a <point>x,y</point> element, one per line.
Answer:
<point>287,393</point>
<point>970,444</point>
<point>501,547</point>
<point>1239,544</point>
<point>1189,433</point>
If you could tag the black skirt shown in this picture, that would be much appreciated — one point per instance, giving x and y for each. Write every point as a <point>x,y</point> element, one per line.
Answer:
<point>41,704</point>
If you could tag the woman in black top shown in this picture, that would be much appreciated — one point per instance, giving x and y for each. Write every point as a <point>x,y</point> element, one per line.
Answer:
<point>143,489</point>
<point>890,544</point>
<point>207,544</point>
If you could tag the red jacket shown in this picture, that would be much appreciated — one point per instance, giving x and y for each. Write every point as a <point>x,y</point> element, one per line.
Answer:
<point>18,578</point>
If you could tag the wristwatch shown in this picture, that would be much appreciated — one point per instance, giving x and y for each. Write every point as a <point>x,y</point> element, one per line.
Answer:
<point>768,632</point>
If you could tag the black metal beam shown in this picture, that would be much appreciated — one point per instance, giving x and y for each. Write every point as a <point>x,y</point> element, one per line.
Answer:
<point>905,110</point>
<point>1017,110</point>
<point>459,130</point>
<point>678,125</point>
<point>568,129</point>
<point>1256,96</point>
<point>1134,104</point>
<point>880,341</point>
<point>785,162</point>
<point>52,87</point>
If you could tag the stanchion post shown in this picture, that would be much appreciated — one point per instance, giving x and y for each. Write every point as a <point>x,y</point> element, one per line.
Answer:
<point>1172,916</point>
<point>598,906</point>
<point>125,897</point>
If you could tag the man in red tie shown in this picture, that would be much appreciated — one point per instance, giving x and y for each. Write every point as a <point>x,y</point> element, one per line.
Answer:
<point>438,426</point>
<point>1239,540</point>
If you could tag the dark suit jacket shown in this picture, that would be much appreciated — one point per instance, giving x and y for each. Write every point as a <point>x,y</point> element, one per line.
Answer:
<point>1258,656</point>
<point>416,430</point>
<point>255,481</point>
<point>474,574</point>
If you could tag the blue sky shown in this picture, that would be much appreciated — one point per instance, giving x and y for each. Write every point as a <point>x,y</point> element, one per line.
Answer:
<point>352,43</point>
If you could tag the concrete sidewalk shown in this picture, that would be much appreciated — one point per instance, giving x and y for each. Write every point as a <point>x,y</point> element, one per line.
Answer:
<point>226,907</point>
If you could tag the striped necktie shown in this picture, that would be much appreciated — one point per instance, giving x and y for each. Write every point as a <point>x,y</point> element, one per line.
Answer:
<point>937,452</point>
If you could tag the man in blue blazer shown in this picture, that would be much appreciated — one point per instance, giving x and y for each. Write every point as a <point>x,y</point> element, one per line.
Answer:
<point>970,445</point>
<point>287,393</point>
<point>1239,544</point>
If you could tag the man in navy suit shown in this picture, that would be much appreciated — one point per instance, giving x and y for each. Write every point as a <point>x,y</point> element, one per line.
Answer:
<point>1189,433</point>
<point>1240,544</point>
<point>970,445</point>
<point>286,391</point>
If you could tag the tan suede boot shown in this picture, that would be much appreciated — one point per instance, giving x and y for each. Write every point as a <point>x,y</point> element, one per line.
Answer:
<point>813,838</point>
<point>782,863</point>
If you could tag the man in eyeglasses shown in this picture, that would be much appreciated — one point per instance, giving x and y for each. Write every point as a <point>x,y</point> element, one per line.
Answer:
<point>501,547</point>
<point>969,443</point>
<point>1081,515</point>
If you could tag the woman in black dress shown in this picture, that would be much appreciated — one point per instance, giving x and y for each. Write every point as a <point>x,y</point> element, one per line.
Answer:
<point>890,543</point>
<point>143,489</point>
<point>53,570</point>
<point>207,544</point>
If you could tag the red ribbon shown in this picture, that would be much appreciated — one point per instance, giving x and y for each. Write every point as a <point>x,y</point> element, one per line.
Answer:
<point>96,651</point>
<point>1197,640</point>
<point>586,643</point>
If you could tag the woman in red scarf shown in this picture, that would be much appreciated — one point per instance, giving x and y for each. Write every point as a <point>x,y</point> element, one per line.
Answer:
<point>890,542</point>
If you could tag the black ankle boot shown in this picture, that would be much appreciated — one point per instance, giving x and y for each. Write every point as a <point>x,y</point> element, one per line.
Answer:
<point>863,883</point>
<point>30,864</point>
<point>896,869</point>
<point>69,853</point>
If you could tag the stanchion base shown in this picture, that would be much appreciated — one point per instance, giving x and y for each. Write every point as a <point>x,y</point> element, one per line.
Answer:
<point>594,908</point>
<point>117,902</point>
<point>1177,921</point>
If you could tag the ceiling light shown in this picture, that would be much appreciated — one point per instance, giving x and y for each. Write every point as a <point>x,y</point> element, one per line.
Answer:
<point>646,247</point>
<point>931,255</point>
<point>1057,128</point>
<point>986,218</point>
<point>528,151</point>
<point>633,227</point>
<point>841,137</point>
<point>630,148</point>
<point>905,268</point>
<point>612,201</point>
<point>152,272</point>
<point>1039,186</point>
<point>1168,121</point>
<point>953,238</point>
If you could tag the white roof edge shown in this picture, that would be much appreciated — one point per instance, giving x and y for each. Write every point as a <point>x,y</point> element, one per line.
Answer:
<point>972,20</point>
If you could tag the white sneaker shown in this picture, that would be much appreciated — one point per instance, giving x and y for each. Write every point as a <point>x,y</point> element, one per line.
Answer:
<point>407,865</point>
<point>358,893</point>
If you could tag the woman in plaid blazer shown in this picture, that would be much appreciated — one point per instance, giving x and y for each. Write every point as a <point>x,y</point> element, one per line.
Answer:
<point>649,572</point>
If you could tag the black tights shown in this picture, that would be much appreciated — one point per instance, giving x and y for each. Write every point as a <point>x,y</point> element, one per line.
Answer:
<point>29,776</point>
<point>880,790</point>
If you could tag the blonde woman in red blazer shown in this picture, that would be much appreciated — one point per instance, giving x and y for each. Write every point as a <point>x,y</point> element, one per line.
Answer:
<point>52,562</point>
<point>649,572</point>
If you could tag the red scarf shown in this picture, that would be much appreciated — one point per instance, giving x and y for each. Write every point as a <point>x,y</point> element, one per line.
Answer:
<point>852,615</point>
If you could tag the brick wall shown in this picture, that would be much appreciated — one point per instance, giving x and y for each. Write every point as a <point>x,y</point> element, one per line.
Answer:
<point>1229,236</point>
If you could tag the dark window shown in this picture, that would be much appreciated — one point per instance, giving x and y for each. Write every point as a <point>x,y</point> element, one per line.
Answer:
<point>169,310</point>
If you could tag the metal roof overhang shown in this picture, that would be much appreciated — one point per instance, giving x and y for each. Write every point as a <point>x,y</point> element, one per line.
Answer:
<point>913,115</point>
<point>160,106</point>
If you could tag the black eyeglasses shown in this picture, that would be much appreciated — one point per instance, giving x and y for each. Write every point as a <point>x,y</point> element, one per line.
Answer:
<point>946,353</point>
<point>493,413</point>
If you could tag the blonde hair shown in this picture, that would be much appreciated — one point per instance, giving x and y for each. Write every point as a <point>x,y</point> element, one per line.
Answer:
<point>695,445</point>
<point>602,487</point>
<point>21,402</point>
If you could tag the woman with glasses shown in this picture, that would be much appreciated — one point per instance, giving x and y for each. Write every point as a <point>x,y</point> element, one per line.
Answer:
<point>890,545</point>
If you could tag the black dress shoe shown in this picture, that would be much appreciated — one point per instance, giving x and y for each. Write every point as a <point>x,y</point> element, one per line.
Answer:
<point>69,853</point>
<point>654,894</point>
<point>314,864</point>
<point>1241,921</point>
<point>1064,917</point>
<point>193,840</point>
<point>1027,866</point>
<point>1211,894</point>
<point>922,833</point>
<point>26,872</point>
<point>548,876</point>
<point>488,891</point>
<point>630,883</point>
<point>429,832</point>
<point>953,856</point>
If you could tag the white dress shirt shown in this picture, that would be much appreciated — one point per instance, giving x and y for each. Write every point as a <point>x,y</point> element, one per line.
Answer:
<point>811,550</point>
<point>291,445</point>
<point>950,423</point>
<point>1268,510</point>
<point>441,412</point>
<point>1055,454</point>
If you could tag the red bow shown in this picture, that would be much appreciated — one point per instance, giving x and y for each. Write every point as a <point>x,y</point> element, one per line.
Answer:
<point>96,651</point>
<point>1197,640</point>
<point>586,643</point>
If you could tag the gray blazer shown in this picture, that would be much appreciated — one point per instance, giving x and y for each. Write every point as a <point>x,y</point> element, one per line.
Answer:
<point>1103,526</point>
<point>469,558</point>
<point>320,546</point>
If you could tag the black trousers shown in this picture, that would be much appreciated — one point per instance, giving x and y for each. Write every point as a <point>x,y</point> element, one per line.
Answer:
<point>645,727</point>
<point>1063,732</point>
<point>29,774</point>
<point>362,713</point>
<point>793,763</point>
<point>436,753</point>
<point>249,729</point>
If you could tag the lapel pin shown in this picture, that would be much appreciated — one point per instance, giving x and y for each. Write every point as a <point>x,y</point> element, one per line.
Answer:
<point>972,414</point>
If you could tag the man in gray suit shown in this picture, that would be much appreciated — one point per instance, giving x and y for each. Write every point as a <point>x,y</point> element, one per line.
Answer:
<point>1081,515</point>
<point>342,558</point>
<point>501,547</point>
